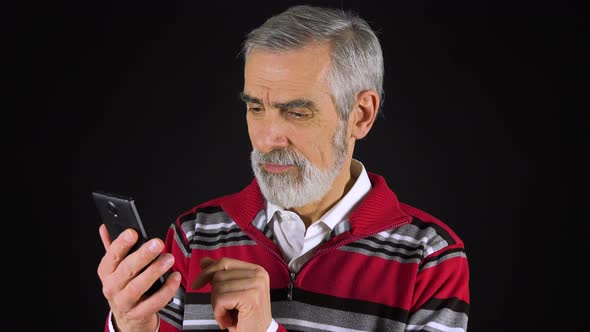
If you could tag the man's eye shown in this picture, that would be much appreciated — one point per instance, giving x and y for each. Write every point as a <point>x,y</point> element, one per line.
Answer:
<point>297,115</point>
<point>255,109</point>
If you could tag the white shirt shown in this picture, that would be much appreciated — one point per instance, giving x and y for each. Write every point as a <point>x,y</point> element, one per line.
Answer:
<point>295,242</point>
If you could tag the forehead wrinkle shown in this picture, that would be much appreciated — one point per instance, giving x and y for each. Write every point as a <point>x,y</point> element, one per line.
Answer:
<point>266,97</point>
<point>277,75</point>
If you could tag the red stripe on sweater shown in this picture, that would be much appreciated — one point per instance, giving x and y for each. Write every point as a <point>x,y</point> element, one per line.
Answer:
<point>447,279</point>
<point>358,277</point>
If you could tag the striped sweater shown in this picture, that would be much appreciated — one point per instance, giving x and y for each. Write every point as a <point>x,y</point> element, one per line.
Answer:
<point>391,267</point>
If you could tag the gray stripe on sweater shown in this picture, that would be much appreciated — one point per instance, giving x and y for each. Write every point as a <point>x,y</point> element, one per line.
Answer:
<point>172,312</point>
<point>406,240</point>
<point>226,233</point>
<point>260,220</point>
<point>294,310</point>
<point>305,317</point>
<point>204,221</point>
<point>367,252</point>
<point>261,223</point>
<point>447,320</point>
<point>410,235</point>
<point>442,259</point>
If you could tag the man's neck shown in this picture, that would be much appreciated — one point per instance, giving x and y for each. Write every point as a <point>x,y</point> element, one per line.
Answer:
<point>310,213</point>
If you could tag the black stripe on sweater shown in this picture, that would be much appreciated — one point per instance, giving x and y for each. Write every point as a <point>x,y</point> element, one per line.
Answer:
<point>383,251</point>
<point>170,318</point>
<point>322,300</point>
<point>390,243</point>
<point>217,233</point>
<point>195,241</point>
<point>205,298</point>
<point>181,240</point>
<point>439,230</point>
<point>452,303</point>
<point>441,255</point>
<point>209,209</point>
<point>190,217</point>
<point>197,298</point>
<point>173,309</point>
<point>350,305</point>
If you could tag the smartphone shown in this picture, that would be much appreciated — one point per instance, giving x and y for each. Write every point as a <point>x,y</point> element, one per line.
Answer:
<point>118,213</point>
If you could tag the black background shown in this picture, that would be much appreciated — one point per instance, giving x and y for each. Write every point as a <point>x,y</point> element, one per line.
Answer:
<point>481,127</point>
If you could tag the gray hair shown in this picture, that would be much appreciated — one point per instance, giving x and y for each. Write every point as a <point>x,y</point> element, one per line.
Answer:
<point>356,59</point>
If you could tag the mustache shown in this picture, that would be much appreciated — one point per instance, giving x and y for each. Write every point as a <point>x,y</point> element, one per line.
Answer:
<point>279,157</point>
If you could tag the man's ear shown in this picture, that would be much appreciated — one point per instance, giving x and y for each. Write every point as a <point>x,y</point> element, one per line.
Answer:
<point>363,113</point>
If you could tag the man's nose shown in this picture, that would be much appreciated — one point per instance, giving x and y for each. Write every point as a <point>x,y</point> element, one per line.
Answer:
<point>273,133</point>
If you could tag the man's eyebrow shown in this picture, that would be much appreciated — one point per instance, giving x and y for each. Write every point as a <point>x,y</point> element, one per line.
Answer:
<point>291,104</point>
<point>296,103</point>
<point>249,99</point>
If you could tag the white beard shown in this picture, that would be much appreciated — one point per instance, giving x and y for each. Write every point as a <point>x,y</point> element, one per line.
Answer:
<point>304,184</point>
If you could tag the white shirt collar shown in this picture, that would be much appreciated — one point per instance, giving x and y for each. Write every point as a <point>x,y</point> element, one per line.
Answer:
<point>342,208</point>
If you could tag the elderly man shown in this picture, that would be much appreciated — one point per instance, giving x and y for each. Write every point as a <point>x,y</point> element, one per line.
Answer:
<point>315,242</point>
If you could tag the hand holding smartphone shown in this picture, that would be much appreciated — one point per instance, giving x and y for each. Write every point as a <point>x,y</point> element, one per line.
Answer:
<point>118,213</point>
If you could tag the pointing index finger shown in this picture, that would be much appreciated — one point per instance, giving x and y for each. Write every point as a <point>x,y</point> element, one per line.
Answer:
<point>210,266</point>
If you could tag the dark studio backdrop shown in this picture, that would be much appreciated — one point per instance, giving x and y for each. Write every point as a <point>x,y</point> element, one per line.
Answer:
<point>142,99</point>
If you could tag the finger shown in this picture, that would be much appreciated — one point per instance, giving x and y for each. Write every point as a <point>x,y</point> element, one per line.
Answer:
<point>226,306</point>
<point>207,269</point>
<point>228,275</point>
<point>133,264</point>
<point>206,262</point>
<point>104,236</point>
<point>140,284</point>
<point>222,264</point>
<point>228,319</point>
<point>159,299</point>
<point>236,285</point>
<point>115,252</point>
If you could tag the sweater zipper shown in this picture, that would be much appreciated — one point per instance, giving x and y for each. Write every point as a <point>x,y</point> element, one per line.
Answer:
<point>290,287</point>
<point>292,275</point>
<point>272,252</point>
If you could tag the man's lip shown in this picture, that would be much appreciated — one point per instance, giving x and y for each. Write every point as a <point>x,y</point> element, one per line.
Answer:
<point>276,168</point>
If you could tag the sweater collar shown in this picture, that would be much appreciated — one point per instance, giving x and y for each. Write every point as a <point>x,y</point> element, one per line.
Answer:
<point>378,211</point>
